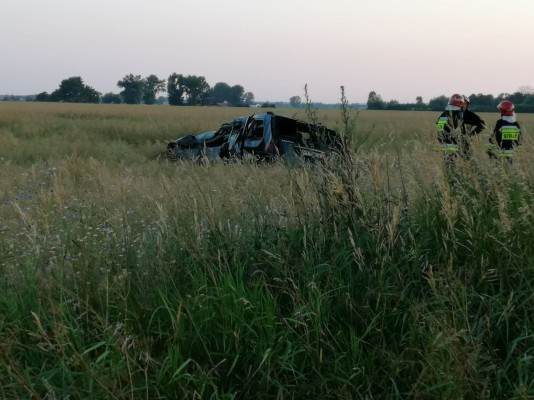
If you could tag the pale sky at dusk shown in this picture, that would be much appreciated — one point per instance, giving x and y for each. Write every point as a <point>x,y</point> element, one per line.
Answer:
<point>400,48</point>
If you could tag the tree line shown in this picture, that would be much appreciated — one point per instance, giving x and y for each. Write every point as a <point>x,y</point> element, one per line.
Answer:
<point>523,100</point>
<point>182,90</point>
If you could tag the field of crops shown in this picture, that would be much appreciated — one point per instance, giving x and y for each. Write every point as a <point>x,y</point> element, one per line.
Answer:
<point>123,276</point>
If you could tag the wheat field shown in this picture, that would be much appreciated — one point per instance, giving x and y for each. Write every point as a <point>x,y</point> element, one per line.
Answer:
<point>124,276</point>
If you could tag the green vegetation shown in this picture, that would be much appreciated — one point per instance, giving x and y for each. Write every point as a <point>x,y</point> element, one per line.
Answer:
<point>523,100</point>
<point>126,277</point>
<point>71,90</point>
<point>133,88</point>
<point>190,90</point>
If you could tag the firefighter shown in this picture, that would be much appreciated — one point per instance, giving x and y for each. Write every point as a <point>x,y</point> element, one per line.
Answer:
<point>473,124</point>
<point>455,125</point>
<point>507,133</point>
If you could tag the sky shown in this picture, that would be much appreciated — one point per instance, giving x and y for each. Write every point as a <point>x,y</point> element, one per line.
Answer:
<point>399,48</point>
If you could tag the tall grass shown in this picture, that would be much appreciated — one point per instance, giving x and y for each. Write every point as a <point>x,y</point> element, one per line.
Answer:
<point>386,278</point>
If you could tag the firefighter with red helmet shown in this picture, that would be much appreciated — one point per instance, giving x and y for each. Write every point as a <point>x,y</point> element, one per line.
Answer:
<point>507,133</point>
<point>455,125</point>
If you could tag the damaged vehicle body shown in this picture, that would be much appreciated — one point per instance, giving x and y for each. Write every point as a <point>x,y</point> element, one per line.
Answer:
<point>263,136</point>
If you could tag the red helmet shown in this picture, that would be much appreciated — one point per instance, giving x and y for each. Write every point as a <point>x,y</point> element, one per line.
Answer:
<point>507,108</point>
<point>456,103</point>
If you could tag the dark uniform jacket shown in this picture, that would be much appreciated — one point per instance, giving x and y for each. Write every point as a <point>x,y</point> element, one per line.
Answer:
<point>473,124</point>
<point>507,134</point>
<point>468,123</point>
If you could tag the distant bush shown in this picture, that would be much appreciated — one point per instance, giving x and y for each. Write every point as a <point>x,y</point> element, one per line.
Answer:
<point>71,90</point>
<point>375,102</point>
<point>44,96</point>
<point>111,98</point>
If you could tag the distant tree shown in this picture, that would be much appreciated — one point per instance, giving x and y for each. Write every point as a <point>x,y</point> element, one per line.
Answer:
<point>295,101</point>
<point>248,98</point>
<point>153,85</point>
<point>517,98</point>
<point>398,106</point>
<point>133,88</point>
<point>394,105</point>
<point>90,95</point>
<point>528,104</point>
<point>375,102</point>
<point>197,90</point>
<point>482,102</point>
<point>73,90</point>
<point>111,98</point>
<point>268,104</point>
<point>191,90</point>
<point>236,95</point>
<point>221,92</point>
<point>176,89</point>
<point>419,104</point>
<point>438,103</point>
<point>44,96</point>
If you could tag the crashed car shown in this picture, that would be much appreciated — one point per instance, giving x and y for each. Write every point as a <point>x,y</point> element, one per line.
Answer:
<point>264,136</point>
<point>206,144</point>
